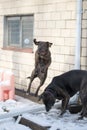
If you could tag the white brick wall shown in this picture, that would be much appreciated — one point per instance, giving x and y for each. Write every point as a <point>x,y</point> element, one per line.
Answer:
<point>84,37</point>
<point>54,21</point>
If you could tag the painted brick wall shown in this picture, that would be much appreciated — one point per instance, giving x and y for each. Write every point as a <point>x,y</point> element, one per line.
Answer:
<point>84,37</point>
<point>54,21</point>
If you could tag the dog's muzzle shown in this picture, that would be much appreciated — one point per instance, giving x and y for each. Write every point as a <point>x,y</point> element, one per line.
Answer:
<point>48,108</point>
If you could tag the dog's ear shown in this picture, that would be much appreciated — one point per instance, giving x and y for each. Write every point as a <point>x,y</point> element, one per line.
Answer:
<point>50,44</point>
<point>43,95</point>
<point>35,42</point>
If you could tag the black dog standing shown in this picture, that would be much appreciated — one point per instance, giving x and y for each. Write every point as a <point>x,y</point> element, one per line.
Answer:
<point>42,62</point>
<point>65,86</point>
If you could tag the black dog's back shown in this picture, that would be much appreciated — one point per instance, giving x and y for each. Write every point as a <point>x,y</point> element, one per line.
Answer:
<point>70,81</point>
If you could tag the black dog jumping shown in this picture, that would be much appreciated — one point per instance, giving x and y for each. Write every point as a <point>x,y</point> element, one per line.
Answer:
<point>65,86</point>
<point>42,62</point>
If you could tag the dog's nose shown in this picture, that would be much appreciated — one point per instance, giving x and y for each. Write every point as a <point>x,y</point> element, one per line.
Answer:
<point>47,109</point>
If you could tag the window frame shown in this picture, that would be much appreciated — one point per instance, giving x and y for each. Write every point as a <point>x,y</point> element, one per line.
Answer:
<point>19,47</point>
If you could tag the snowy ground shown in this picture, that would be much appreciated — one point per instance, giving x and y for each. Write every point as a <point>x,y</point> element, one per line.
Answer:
<point>67,122</point>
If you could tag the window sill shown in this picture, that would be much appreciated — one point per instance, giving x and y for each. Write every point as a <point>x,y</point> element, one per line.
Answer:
<point>26,50</point>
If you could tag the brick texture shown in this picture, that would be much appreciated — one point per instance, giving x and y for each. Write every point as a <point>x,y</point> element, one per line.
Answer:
<point>54,21</point>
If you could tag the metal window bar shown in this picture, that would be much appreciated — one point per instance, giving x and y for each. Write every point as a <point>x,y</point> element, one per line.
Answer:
<point>27,31</point>
<point>14,31</point>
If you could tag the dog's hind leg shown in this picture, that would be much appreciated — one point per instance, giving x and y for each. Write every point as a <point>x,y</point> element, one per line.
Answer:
<point>33,75</point>
<point>42,78</point>
<point>36,93</point>
<point>83,97</point>
<point>83,112</point>
<point>41,83</point>
<point>28,91</point>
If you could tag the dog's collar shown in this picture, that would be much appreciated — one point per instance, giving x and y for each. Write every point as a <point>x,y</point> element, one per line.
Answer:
<point>52,92</point>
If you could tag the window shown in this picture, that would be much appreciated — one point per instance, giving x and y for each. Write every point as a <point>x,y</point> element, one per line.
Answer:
<point>19,31</point>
